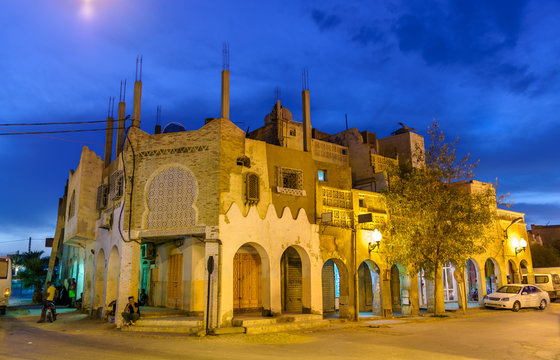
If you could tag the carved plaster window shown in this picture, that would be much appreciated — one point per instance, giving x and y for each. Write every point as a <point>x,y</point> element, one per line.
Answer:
<point>290,181</point>
<point>252,189</point>
<point>171,197</point>
<point>102,196</point>
<point>116,185</point>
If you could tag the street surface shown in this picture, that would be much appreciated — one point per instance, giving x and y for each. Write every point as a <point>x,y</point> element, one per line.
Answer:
<point>493,334</point>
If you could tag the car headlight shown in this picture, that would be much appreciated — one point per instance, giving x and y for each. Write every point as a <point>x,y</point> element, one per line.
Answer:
<point>505,299</point>
<point>7,292</point>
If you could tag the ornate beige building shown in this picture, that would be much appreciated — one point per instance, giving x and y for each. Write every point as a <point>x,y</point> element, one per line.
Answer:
<point>276,209</point>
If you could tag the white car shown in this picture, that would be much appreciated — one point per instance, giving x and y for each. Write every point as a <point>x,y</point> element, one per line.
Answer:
<point>516,296</point>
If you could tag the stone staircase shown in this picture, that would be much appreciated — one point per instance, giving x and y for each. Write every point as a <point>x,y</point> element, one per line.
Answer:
<point>287,322</point>
<point>161,320</point>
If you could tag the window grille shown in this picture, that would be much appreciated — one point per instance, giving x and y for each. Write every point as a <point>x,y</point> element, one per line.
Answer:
<point>252,189</point>
<point>290,181</point>
<point>102,196</point>
<point>72,206</point>
<point>116,185</point>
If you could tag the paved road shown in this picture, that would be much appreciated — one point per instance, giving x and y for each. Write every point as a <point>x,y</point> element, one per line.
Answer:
<point>529,334</point>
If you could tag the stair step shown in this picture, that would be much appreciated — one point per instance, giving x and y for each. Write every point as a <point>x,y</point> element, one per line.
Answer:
<point>162,314</point>
<point>161,329</point>
<point>255,321</point>
<point>286,326</point>
<point>170,322</point>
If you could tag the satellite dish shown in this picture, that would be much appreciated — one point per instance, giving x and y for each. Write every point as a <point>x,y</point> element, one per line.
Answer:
<point>173,127</point>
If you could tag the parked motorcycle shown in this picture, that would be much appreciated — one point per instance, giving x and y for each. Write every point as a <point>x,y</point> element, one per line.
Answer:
<point>50,311</point>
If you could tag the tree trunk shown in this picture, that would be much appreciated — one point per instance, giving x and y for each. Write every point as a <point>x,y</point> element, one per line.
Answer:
<point>37,295</point>
<point>439,305</point>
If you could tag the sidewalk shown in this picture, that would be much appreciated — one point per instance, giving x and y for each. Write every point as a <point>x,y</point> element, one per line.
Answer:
<point>71,321</point>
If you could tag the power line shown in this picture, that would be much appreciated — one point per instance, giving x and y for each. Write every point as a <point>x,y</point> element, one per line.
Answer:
<point>57,131</point>
<point>12,241</point>
<point>56,123</point>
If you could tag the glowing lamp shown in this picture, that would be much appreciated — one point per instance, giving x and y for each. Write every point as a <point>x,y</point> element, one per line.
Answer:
<point>520,245</point>
<point>376,239</point>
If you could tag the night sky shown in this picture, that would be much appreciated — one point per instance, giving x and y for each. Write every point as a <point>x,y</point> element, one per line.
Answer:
<point>486,70</point>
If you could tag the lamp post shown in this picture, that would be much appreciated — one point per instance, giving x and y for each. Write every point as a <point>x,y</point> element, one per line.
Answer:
<point>519,246</point>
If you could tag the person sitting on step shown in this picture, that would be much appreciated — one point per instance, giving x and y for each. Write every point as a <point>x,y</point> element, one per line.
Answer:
<point>131,311</point>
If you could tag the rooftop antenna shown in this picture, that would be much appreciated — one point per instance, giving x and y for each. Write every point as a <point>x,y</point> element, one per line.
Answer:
<point>120,93</point>
<point>225,56</point>
<point>113,107</point>
<point>346,118</point>
<point>305,79</point>
<point>109,108</point>
<point>124,92</point>
<point>277,94</point>
<point>141,61</point>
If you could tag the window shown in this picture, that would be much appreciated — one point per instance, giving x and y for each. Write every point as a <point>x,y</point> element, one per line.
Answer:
<point>116,185</point>
<point>72,206</point>
<point>102,196</point>
<point>322,175</point>
<point>4,269</point>
<point>290,181</point>
<point>252,189</point>
<point>362,203</point>
<point>292,132</point>
<point>541,279</point>
<point>244,161</point>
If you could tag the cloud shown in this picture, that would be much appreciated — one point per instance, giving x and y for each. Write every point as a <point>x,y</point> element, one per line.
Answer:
<point>325,21</point>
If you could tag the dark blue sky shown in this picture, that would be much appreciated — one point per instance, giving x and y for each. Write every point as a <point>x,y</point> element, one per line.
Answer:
<point>486,70</point>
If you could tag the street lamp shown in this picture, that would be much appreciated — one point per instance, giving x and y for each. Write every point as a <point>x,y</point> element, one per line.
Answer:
<point>514,221</point>
<point>519,245</point>
<point>376,237</point>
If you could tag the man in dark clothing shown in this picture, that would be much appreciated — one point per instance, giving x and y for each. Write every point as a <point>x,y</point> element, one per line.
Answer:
<point>131,311</point>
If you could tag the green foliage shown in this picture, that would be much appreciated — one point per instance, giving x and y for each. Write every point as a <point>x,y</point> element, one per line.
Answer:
<point>35,272</point>
<point>435,215</point>
<point>544,256</point>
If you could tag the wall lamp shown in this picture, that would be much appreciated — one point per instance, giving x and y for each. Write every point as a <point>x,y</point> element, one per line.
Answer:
<point>519,245</point>
<point>514,221</point>
<point>376,239</point>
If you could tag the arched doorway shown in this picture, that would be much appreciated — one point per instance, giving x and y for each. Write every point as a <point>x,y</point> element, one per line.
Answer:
<point>512,273</point>
<point>523,271</point>
<point>396,290</point>
<point>471,277</point>
<point>491,275</point>
<point>369,288</point>
<point>449,283</point>
<point>99,279</point>
<point>247,280</point>
<point>112,276</point>
<point>292,281</point>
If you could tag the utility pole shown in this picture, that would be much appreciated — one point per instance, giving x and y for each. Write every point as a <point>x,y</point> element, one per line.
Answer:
<point>29,247</point>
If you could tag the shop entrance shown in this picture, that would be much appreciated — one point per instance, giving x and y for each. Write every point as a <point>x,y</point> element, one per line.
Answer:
<point>174,280</point>
<point>292,284</point>
<point>247,280</point>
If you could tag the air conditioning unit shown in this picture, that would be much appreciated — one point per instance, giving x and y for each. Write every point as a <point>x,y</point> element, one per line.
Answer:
<point>106,220</point>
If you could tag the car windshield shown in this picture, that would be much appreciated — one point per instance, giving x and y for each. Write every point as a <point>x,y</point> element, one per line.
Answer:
<point>541,279</point>
<point>509,289</point>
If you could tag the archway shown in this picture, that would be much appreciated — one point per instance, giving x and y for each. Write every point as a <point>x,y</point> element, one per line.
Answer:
<point>112,276</point>
<point>247,280</point>
<point>523,271</point>
<point>449,283</point>
<point>292,281</point>
<point>492,275</point>
<point>99,279</point>
<point>396,290</point>
<point>471,277</point>
<point>369,288</point>
<point>512,273</point>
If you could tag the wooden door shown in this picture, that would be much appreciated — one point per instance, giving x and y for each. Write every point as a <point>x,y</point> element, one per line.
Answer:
<point>247,281</point>
<point>174,280</point>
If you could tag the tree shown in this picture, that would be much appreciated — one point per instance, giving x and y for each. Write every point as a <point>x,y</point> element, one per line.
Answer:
<point>435,215</point>
<point>544,256</point>
<point>35,272</point>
